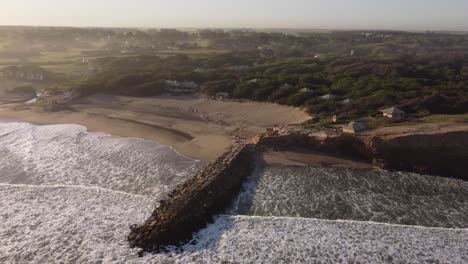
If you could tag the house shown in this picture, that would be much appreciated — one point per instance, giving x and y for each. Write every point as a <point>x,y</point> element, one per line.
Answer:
<point>393,113</point>
<point>265,47</point>
<point>27,73</point>
<point>256,80</point>
<point>30,102</point>
<point>346,101</point>
<point>43,93</point>
<point>188,85</point>
<point>354,127</point>
<point>335,119</point>
<point>306,90</point>
<point>181,87</point>
<point>222,96</point>
<point>328,97</point>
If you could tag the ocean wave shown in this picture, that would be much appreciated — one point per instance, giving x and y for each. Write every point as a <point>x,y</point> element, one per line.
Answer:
<point>68,195</point>
<point>82,225</point>
<point>355,194</point>
<point>69,155</point>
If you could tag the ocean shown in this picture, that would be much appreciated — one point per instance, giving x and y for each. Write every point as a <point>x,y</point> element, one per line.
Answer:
<point>70,196</point>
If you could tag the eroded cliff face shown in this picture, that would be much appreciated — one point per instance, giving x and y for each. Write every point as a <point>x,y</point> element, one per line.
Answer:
<point>191,206</point>
<point>437,150</point>
<point>444,154</point>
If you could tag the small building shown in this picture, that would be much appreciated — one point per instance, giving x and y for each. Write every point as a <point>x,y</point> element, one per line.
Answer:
<point>393,113</point>
<point>177,87</point>
<point>354,127</point>
<point>328,97</point>
<point>222,96</point>
<point>32,101</point>
<point>256,80</point>
<point>306,90</point>
<point>27,73</point>
<point>335,119</point>
<point>346,101</point>
<point>43,93</point>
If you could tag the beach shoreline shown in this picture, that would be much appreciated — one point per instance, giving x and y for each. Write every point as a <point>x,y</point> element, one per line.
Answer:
<point>198,128</point>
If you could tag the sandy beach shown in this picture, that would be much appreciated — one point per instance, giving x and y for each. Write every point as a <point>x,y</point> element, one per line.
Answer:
<point>196,127</point>
<point>310,158</point>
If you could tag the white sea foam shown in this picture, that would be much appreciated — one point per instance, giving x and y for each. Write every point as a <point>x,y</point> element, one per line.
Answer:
<point>356,194</point>
<point>69,155</point>
<point>69,225</point>
<point>69,196</point>
<point>246,239</point>
<point>73,225</point>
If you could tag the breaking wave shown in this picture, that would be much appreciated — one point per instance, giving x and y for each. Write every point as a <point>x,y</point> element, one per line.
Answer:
<point>68,195</point>
<point>356,194</point>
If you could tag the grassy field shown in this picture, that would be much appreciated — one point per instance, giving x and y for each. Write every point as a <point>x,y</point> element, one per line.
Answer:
<point>193,53</point>
<point>47,58</point>
<point>67,66</point>
<point>462,118</point>
<point>430,119</point>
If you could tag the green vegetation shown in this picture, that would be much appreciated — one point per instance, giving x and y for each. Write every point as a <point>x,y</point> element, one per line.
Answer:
<point>423,73</point>
<point>461,118</point>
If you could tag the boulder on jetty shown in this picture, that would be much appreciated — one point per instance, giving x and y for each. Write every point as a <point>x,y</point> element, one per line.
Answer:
<point>193,205</point>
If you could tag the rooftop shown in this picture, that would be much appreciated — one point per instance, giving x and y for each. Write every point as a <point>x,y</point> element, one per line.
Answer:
<point>393,110</point>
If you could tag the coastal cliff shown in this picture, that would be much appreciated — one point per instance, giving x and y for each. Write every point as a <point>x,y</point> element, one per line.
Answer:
<point>431,149</point>
<point>436,149</point>
<point>191,206</point>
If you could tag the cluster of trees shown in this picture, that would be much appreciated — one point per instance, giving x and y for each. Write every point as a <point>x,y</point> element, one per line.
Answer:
<point>417,71</point>
<point>416,83</point>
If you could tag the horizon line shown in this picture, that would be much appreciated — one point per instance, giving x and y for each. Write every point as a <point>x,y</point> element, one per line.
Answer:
<point>239,28</point>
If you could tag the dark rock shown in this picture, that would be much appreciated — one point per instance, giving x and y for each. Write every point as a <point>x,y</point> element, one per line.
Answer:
<point>442,154</point>
<point>191,206</point>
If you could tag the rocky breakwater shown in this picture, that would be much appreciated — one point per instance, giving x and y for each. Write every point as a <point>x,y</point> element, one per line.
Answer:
<point>437,149</point>
<point>191,206</point>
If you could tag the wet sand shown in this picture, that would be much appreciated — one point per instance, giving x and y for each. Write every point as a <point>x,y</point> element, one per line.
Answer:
<point>196,127</point>
<point>310,158</point>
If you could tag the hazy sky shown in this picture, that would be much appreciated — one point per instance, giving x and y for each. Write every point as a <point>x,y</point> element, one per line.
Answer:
<point>326,14</point>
